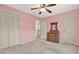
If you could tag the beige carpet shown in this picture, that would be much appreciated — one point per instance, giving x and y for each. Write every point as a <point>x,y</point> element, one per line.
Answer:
<point>41,47</point>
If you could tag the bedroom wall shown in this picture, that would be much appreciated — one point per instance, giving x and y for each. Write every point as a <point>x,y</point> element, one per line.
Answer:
<point>61,19</point>
<point>27,23</point>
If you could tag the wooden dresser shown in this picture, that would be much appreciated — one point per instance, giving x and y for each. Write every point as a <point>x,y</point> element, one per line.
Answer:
<point>53,34</point>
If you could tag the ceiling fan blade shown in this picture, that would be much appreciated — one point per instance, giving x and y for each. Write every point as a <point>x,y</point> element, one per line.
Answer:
<point>34,8</point>
<point>51,5</point>
<point>48,10</point>
<point>40,12</point>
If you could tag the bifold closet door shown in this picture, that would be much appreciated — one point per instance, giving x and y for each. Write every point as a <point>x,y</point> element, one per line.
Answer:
<point>14,30</point>
<point>3,30</point>
<point>9,29</point>
<point>17,30</point>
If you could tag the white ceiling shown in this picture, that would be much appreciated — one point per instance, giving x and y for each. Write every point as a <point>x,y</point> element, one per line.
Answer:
<point>59,8</point>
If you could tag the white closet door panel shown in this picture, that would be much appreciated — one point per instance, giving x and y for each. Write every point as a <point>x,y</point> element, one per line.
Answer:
<point>11,31</point>
<point>0,31</point>
<point>4,32</point>
<point>17,30</point>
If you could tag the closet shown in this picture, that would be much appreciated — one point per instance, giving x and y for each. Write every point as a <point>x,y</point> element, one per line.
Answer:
<point>9,29</point>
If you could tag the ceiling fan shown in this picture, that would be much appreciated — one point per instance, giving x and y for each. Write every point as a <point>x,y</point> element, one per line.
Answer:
<point>44,7</point>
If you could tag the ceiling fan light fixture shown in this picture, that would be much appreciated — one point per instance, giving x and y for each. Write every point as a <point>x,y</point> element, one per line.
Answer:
<point>43,9</point>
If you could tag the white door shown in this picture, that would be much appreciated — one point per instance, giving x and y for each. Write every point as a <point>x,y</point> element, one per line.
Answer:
<point>14,30</point>
<point>17,30</point>
<point>69,29</point>
<point>43,29</point>
<point>3,30</point>
<point>37,29</point>
<point>9,29</point>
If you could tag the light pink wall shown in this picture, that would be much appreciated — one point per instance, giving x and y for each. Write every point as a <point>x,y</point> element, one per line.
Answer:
<point>27,23</point>
<point>58,18</point>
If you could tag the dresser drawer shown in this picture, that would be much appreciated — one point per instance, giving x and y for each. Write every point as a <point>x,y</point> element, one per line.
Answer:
<point>53,38</point>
